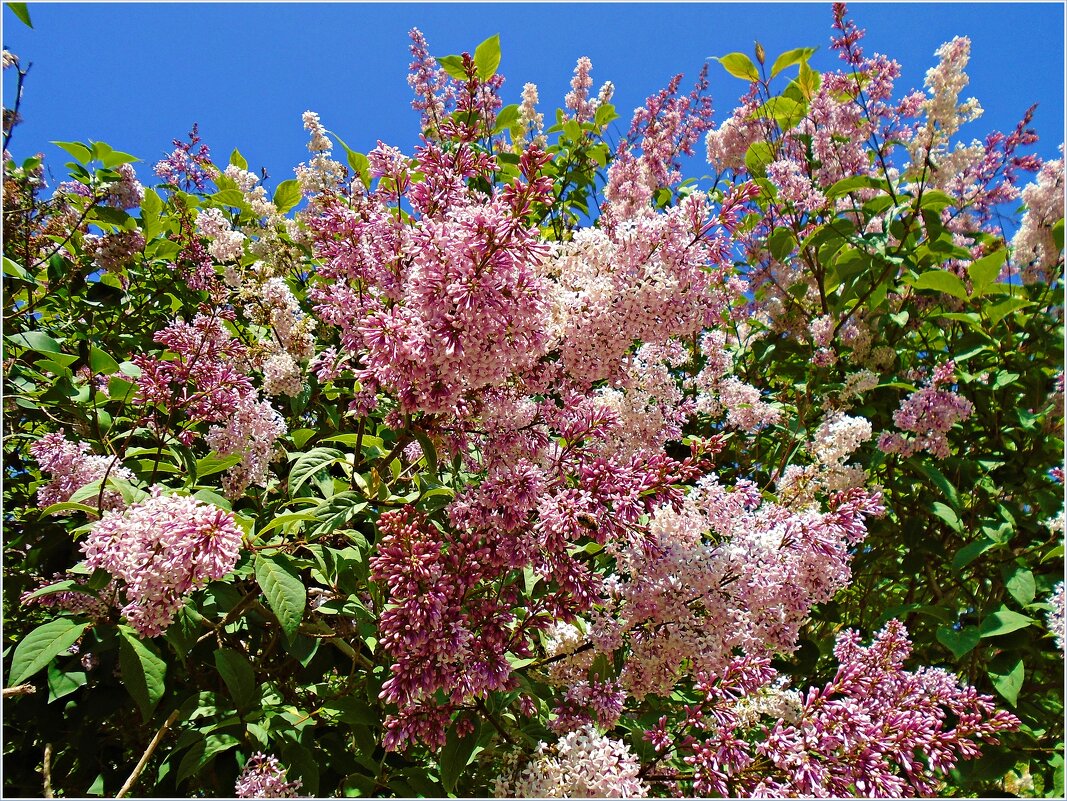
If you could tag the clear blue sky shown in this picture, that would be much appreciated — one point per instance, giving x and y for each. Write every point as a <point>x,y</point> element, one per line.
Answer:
<point>138,75</point>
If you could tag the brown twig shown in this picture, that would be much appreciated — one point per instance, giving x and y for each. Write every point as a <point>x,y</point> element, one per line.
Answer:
<point>19,689</point>
<point>130,782</point>
<point>46,771</point>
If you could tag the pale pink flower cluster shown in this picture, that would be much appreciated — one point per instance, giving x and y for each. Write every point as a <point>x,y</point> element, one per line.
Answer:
<point>80,602</point>
<point>292,340</point>
<point>226,244</point>
<point>72,467</point>
<point>654,277</point>
<point>322,173</point>
<point>161,549</point>
<point>112,252</point>
<point>531,121</point>
<point>582,764</point>
<point>944,83</point>
<point>126,193</point>
<point>1034,250</point>
<point>795,187</point>
<point>251,429</point>
<point>427,80</point>
<point>930,414</point>
<point>719,392</point>
<point>577,99</point>
<point>728,144</point>
<point>9,60</point>
<point>1055,616</point>
<point>264,777</point>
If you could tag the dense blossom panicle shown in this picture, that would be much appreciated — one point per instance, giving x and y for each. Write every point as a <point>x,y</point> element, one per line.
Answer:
<point>264,777</point>
<point>225,244</point>
<point>161,549</point>
<point>112,252</point>
<point>582,764</point>
<point>127,192</point>
<point>71,467</point>
<point>189,164</point>
<point>577,99</point>
<point>532,122</point>
<point>1034,251</point>
<point>96,605</point>
<point>929,414</point>
<point>1056,615</point>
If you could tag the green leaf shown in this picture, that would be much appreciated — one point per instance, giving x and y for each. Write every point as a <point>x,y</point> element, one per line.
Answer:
<point>287,195</point>
<point>960,642</point>
<point>971,551</point>
<point>453,65</point>
<point>41,646</point>
<point>948,515</point>
<point>1003,621</point>
<point>1001,310</point>
<point>985,270</point>
<point>846,185</point>
<point>237,160</point>
<point>80,152</point>
<point>941,281</point>
<point>739,65</point>
<point>487,57</point>
<point>102,362</point>
<point>757,157</point>
<point>237,672</point>
<point>62,684</point>
<point>198,756</point>
<point>508,116</point>
<point>1007,676</point>
<point>309,464</point>
<point>1021,586</point>
<point>228,197</point>
<point>114,158</point>
<point>781,243</point>
<point>939,478</point>
<point>455,757</point>
<point>791,57</point>
<point>357,161</point>
<point>143,671</point>
<point>37,341</point>
<point>285,519</point>
<point>20,11</point>
<point>339,509</point>
<point>213,463</point>
<point>283,588</point>
<point>151,206</point>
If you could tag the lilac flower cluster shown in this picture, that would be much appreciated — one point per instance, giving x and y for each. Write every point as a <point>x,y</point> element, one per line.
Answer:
<point>1055,617</point>
<point>161,549</point>
<point>72,467</point>
<point>858,735</point>
<point>930,414</point>
<point>264,777</point>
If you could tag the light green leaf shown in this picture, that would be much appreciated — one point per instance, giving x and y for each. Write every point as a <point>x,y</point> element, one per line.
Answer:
<point>287,195</point>
<point>739,65</point>
<point>942,281</point>
<point>237,160</point>
<point>36,340</point>
<point>80,152</point>
<point>41,646</point>
<point>281,520</point>
<point>985,270</point>
<point>948,515</point>
<point>846,185</point>
<point>791,57</point>
<point>453,65</point>
<point>1021,586</point>
<point>102,362</point>
<point>283,588</point>
<point>114,158</point>
<point>487,57</point>
<point>1001,310</point>
<point>237,672</point>
<point>143,671</point>
<point>213,463</point>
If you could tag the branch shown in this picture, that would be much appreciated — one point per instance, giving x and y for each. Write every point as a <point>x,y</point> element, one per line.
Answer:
<point>130,782</point>
<point>46,771</point>
<point>19,689</point>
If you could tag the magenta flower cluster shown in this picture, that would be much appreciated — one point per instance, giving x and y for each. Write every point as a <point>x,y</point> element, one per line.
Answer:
<point>72,467</point>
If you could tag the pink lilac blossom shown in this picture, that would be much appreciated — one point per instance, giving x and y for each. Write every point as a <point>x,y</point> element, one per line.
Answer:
<point>96,605</point>
<point>582,764</point>
<point>225,244</point>
<point>929,414</point>
<point>112,252</point>
<point>161,549</point>
<point>189,164</point>
<point>264,777</point>
<point>72,467</point>
<point>577,99</point>
<point>127,192</point>
<point>857,735</point>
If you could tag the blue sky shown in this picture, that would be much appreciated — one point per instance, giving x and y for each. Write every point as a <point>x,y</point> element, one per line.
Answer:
<point>137,75</point>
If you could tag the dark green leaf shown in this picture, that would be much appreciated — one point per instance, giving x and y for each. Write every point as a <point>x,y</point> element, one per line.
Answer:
<point>199,755</point>
<point>1003,621</point>
<point>309,464</point>
<point>959,642</point>
<point>41,646</point>
<point>1007,675</point>
<point>237,672</point>
<point>143,671</point>
<point>455,757</point>
<point>283,588</point>
<point>1021,586</point>
<point>20,11</point>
